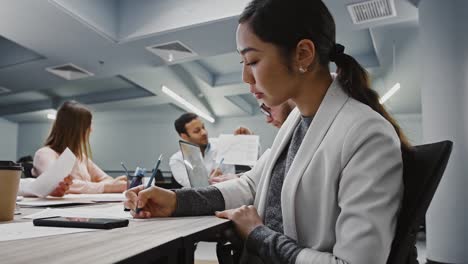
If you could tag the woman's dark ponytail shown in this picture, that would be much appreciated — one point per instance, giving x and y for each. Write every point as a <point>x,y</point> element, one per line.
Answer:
<point>355,81</point>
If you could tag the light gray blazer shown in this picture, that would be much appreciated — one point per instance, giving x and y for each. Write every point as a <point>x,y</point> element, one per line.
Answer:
<point>343,190</point>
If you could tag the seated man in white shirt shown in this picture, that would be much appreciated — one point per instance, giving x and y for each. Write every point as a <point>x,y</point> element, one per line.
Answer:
<point>192,129</point>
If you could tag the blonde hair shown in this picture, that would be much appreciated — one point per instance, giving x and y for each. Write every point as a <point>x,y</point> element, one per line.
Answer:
<point>71,129</point>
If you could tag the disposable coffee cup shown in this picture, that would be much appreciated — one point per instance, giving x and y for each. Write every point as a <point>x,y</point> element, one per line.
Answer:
<point>10,174</point>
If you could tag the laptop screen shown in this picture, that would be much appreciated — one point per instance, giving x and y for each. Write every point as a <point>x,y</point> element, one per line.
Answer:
<point>193,161</point>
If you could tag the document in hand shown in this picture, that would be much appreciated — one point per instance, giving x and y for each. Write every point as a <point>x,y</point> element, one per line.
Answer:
<point>238,149</point>
<point>49,179</point>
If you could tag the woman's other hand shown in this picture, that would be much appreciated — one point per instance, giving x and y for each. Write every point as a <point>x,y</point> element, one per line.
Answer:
<point>245,218</point>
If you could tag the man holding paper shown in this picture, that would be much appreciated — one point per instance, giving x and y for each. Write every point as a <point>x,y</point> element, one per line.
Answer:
<point>192,129</point>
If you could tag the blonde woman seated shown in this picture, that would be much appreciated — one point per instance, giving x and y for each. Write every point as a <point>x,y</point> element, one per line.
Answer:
<point>72,129</point>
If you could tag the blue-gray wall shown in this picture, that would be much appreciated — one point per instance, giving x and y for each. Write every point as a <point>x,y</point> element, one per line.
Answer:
<point>8,139</point>
<point>141,142</point>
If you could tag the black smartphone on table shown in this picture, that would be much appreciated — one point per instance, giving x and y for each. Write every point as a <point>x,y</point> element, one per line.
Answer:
<point>81,222</point>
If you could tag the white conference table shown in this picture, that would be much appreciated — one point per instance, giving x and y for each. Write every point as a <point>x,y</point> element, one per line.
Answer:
<point>161,240</point>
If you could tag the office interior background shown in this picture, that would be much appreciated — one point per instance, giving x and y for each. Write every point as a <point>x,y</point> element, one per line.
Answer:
<point>117,55</point>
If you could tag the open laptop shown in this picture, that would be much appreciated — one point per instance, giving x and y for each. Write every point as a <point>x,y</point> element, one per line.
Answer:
<point>193,161</point>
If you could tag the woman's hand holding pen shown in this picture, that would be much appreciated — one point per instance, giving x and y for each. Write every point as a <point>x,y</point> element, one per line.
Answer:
<point>245,218</point>
<point>153,201</point>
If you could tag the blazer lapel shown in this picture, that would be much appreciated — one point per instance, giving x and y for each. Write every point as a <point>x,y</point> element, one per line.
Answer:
<point>334,100</point>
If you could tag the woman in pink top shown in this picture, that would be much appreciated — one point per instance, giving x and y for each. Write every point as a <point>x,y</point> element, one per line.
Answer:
<point>71,129</point>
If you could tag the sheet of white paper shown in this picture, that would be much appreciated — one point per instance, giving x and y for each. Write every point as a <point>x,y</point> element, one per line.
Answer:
<point>15,231</point>
<point>100,197</point>
<point>38,202</point>
<point>213,141</point>
<point>239,149</point>
<point>115,211</point>
<point>48,180</point>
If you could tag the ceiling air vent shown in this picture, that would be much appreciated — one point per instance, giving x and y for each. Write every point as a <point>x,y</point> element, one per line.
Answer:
<point>4,90</point>
<point>371,11</point>
<point>172,52</point>
<point>69,71</point>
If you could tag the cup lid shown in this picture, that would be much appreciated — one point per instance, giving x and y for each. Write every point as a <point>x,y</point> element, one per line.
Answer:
<point>10,165</point>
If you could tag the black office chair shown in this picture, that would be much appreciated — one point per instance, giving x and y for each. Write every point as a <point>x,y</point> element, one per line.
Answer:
<point>166,182</point>
<point>27,163</point>
<point>241,168</point>
<point>423,168</point>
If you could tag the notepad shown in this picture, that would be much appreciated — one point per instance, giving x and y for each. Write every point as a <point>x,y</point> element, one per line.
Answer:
<point>114,212</point>
<point>72,199</point>
<point>55,201</point>
<point>99,197</point>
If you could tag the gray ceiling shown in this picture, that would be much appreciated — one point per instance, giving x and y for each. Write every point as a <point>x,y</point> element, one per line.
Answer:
<point>109,38</point>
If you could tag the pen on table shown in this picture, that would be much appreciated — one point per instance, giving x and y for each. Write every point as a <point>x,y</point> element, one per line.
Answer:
<point>125,168</point>
<point>128,178</point>
<point>155,170</point>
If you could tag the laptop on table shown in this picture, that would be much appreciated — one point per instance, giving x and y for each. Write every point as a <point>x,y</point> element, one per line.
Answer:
<point>193,161</point>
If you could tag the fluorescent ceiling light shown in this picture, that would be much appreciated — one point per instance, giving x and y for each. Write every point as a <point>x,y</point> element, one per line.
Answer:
<point>389,94</point>
<point>51,116</point>
<point>188,106</point>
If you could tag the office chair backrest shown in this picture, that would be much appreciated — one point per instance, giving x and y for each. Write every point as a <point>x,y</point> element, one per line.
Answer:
<point>27,169</point>
<point>27,163</point>
<point>423,168</point>
<point>159,176</point>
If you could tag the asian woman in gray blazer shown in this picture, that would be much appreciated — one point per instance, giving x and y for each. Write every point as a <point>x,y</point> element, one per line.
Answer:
<point>330,190</point>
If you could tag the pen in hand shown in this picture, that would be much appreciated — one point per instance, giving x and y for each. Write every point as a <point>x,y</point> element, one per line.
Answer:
<point>219,165</point>
<point>155,170</point>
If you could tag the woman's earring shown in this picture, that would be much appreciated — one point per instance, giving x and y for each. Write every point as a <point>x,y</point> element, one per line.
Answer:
<point>302,70</point>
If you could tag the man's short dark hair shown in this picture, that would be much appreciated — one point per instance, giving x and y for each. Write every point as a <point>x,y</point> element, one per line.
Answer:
<point>184,119</point>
